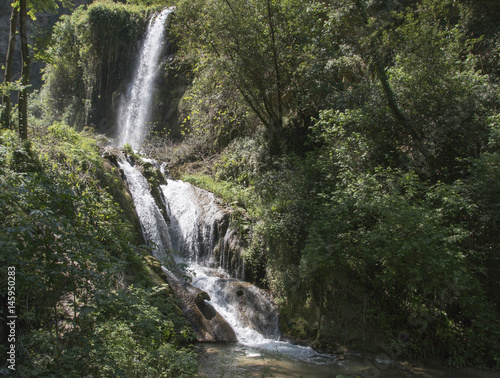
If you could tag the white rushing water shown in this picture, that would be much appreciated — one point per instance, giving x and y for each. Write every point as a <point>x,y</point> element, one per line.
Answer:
<point>153,224</point>
<point>193,214</point>
<point>135,112</point>
<point>255,321</point>
<point>243,317</point>
<point>193,222</point>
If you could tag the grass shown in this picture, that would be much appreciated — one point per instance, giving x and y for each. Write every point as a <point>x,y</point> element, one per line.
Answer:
<point>235,195</point>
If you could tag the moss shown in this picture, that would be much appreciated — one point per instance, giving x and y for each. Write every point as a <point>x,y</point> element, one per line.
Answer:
<point>153,175</point>
<point>110,179</point>
<point>153,266</point>
<point>91,55</point>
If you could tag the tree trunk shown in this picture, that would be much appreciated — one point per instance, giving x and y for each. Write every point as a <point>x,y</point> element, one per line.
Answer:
<point>320,314</point>
<point>279,118</point>
<point>23,94</point>
<point>8,68</point>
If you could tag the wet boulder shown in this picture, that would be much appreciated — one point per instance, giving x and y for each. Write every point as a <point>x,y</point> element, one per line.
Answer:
<point>208,325</point>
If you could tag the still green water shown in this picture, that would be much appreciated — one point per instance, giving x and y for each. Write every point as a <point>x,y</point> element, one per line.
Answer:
<point>236,360</point>
<point>282,360</point>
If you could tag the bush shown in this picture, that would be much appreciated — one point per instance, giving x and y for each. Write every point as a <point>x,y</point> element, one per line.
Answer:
<point>70,244</point>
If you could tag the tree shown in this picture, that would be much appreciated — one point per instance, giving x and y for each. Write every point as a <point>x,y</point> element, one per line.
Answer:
<point>23,9</point>
<point>259,44</point>
<point>5,117</point>
<point>428,103</point>
<point>23,94</point>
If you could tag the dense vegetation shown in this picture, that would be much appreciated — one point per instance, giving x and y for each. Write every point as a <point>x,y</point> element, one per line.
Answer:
<point>357,140</point>
<point>360,141</point>
<point>75,254</point>
<point>88,298</point>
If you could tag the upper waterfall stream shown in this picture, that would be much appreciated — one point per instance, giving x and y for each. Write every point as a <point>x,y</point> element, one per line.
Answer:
<point>135,112</point>
<point>153,223</point>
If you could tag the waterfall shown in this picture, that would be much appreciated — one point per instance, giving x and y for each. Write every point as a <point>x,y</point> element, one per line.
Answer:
<point>199,230</point>
<point>197,226</point>
<point>250,311</point>
<point>200,226</point>
<point>193,218</point>
<point>153,223</point>
<point>192,222</point>
<point>135,112</point>
<point>220,307</point>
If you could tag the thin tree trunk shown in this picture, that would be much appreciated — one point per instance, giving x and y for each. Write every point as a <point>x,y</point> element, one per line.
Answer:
<point>23,94</point>
<point>320,315</point>
<point>380,66</point>
<point>279,119</point>
<point>8,67</point>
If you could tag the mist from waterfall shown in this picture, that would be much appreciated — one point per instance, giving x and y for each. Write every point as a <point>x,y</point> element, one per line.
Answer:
<point>134,114</point>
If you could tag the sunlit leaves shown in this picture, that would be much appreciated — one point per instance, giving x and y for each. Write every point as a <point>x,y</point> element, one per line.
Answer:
<point>69,242</point>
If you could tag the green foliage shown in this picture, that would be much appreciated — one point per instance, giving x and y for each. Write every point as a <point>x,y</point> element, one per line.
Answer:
<point>382,216</point>
<point>125,333</point>
<point>236,195</point>
<point>149,3</point>
<point>56,220</point>
<point>37,6</point>
<point>241,162</point>
<point>214,113</point>
<point>6,88</point>
<point>357,141</point>
<point>257,51</point>
<point>70,244</point>
<point>86,60</point>
<point>127,148</point>
<point>441,93</point>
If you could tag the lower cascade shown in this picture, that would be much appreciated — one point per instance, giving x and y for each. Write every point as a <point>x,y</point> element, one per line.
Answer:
<point>200,231</point>
<point>191,228</point>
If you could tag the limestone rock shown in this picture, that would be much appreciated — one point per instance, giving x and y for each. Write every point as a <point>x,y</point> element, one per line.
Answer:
<point>208,325</point>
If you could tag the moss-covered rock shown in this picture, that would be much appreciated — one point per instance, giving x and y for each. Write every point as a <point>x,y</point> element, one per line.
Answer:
<point>110,178</point>
<point>92,53</point>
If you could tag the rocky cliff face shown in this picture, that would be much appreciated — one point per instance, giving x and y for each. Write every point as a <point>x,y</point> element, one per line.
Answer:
<point>208,325</point>
<point>39,29</point>
<point>200,228</point>
<point>5,12</point>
